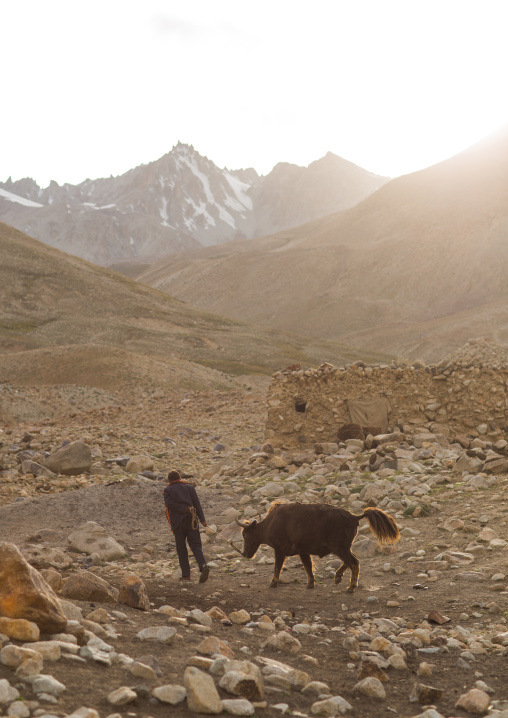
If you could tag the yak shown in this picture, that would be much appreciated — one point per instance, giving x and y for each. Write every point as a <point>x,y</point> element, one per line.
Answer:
<point>314,529</point>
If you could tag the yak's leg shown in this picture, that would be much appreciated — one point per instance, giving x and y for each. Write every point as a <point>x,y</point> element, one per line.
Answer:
<point>349,561</point>
<point>307,564</point>
<point>354,565</point>
<point>279,563</point>
<point>340,572</point>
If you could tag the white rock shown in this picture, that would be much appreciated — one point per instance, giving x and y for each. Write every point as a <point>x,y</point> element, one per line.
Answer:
<point>7,692</point>
<point>90,538</point>
<point>48,684</point>
<point>18,709</point>
<point>84,712</point>
<point>238,707</point>
<point>122,696</point>
<point>170,693</point>
<point>331,707</point>
<point>162,634</point>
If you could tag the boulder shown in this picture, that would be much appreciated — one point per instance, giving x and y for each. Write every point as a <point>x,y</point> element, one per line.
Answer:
<point>19,629</point>
<point>140,463</point>
<point>70,460</point>
<point>133,592</point>
<point>91,538</point>
<point>32,467</point>
<point>202,696</point>
<point>86,586</point>
<point>25,594</point>
<point>45,556</point>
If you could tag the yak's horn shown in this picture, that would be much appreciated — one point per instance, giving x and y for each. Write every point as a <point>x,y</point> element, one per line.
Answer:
<point>242,525</point>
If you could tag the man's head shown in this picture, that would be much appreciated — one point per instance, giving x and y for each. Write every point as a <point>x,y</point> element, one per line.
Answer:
<point>173,476</point>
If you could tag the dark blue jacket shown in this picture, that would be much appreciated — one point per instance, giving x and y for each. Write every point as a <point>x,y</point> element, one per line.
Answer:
<point>179,497</point>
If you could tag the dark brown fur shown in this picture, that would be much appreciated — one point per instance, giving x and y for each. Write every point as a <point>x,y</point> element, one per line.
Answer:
<point>315,529</point>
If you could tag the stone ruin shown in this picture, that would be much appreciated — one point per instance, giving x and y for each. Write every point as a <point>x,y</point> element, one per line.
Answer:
<point>466,393</point>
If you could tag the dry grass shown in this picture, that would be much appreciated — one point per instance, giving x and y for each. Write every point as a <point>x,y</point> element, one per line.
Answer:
<point>65,320</point>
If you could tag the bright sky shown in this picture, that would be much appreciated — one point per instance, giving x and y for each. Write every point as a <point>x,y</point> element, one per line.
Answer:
<point>95,88</point>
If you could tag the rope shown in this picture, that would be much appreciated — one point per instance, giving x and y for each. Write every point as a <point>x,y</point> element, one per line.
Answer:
<point>226,539</point>
<point>194,515</point>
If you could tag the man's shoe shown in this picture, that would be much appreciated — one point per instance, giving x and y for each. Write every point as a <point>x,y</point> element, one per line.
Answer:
<point>205,572</point>
<point>184,578</point>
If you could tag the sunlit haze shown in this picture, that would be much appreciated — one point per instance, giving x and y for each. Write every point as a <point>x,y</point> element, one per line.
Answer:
<point>95,88</point>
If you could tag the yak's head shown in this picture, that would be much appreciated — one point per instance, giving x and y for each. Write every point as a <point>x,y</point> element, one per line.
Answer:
<point>251,537</point>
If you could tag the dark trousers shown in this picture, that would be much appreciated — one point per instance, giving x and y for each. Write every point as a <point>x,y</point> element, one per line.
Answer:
<point>184,534</point>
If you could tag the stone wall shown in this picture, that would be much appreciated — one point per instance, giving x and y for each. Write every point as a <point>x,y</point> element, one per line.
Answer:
<point>308,406</point>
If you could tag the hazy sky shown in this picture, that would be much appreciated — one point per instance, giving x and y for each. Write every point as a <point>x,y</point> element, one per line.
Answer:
<point>95,88</point>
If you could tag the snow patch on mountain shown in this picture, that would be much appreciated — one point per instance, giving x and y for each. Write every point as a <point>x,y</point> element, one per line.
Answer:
<point>20,200</point>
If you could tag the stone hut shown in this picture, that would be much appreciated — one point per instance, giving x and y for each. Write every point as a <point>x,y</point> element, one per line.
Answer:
<point>466,393</point>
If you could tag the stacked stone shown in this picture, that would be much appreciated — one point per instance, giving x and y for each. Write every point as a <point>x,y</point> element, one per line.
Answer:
<point>462,395</point>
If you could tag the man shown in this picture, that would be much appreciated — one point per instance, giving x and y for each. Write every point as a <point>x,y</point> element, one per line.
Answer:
<point>183,511</point>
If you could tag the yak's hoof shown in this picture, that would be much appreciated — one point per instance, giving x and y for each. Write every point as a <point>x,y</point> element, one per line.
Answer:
<point>351,589</point>
<point>311,585</point>
<point>338,579</point>
<point>273,584</point>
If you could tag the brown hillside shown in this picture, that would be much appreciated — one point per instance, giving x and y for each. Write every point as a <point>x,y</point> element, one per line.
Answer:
<point>66,321</point>
<point>416,269</point>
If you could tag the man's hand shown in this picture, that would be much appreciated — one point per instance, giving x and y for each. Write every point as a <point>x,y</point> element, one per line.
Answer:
<point>205,524</point>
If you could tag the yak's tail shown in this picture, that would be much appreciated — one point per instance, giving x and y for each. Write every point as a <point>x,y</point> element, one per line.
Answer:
<point>382,525</point>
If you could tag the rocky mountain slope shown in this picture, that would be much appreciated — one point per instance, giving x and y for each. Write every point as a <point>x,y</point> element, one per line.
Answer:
<point>65,321</point>
<point>181,201</point>
<point>415,269</point>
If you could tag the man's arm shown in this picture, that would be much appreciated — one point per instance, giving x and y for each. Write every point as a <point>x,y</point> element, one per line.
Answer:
<point>197,506</point>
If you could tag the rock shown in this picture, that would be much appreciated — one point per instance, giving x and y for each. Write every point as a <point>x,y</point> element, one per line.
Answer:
<point>426,695</point>
<point>53,578</point>
<point>197,616</point>
<point>70,610</point>
<point>161,634</point>
<point>238,707</point>
<point>91,538</point>
<point>474,701</point>
<point>86,586</point>
<point>212,645</point>
<point>370,667</point>
<point>202,696</point>
<point>239,683</point>
<point>18,709</point>
<point>7,692</point>
<point>139,463</point>
<point>283,641</point>
<point>239,617</point>
<point>133,592</point>
<point>45,556</point>
<point>32,467</point>
<point>25,594</point>
<point>371,687</point>
<point>13,656</point>
<point>19,629</point>
<point>315,688</point>
<point>70,460</point>
<point>331,707</point>
<point>49,650</point>
<point>141,670</point>
<point>30,667</point>
<point>171,693</point>
<point>48,684</point>
<point>122,696</point>
<point>84,712</point>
